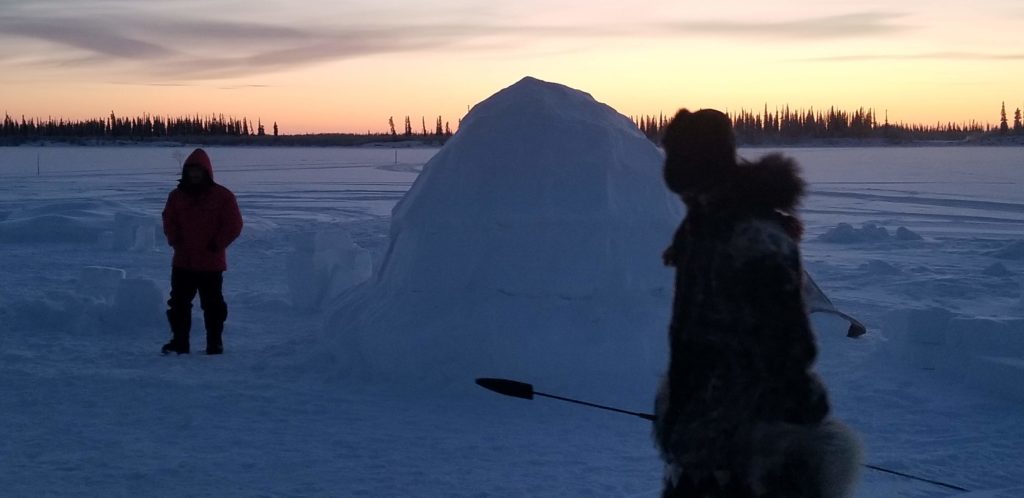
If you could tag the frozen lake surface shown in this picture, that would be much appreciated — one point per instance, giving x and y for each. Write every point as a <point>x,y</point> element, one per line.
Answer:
<point>932,260</point>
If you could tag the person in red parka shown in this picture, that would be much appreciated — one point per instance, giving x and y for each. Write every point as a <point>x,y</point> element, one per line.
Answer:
<point>201,219</point>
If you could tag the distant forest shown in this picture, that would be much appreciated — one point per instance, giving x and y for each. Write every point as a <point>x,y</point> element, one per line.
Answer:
<point>214,129</point>
<point>787,126</point>
<point>767,127</point>
<point>145,127</point>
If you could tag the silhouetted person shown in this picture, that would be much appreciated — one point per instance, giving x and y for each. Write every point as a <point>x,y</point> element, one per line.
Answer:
<point>739,413</point>
<point>201,219</point>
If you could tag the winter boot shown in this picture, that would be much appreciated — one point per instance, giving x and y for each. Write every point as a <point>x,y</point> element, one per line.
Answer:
<point>181,323</point>
<point>175,346</point>
<point>214,344</point>
<point>215,316</point>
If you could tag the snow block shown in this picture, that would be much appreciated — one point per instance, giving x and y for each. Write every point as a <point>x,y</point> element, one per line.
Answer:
<point>324,265</point>
<point>100,283</point>
<point>982,352</point>
<point>1000,375</point>
<point>845,233</point>
<point>134,232</point>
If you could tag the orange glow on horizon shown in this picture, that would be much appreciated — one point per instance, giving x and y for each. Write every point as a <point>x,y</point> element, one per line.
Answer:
<point>909,68</point>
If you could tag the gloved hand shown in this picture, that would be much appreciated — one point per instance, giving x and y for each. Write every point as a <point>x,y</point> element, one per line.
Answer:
<point>668,258</point>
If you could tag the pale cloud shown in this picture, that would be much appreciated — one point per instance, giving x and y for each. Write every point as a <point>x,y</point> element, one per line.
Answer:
<point>153,39</point>
<point>82,36</point>
<point>946,56</point>
<point>825,27</point>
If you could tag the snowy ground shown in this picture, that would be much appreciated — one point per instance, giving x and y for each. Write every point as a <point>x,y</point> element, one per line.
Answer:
<point>91,409</point>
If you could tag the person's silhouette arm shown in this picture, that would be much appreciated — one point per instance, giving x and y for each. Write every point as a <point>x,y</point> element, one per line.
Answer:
<point>231,224</point>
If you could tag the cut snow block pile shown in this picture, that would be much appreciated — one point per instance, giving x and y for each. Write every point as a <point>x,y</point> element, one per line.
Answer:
<point>134,232</point>
<point>323,265</point>
<point>529,247</point>
<point>986,353</point>
<point>846,233</point>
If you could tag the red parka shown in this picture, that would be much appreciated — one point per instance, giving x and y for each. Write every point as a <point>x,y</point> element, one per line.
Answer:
<point>201,223</point>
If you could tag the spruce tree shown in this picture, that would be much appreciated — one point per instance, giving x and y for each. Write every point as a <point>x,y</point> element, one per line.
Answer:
<point>1003,125</point>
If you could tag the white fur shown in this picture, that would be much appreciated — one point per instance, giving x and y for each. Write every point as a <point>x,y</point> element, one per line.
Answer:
<point>831,450</point>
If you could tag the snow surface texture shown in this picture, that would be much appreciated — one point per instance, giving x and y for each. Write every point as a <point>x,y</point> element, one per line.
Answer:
<point>90,409</point>
<point>533,236</point>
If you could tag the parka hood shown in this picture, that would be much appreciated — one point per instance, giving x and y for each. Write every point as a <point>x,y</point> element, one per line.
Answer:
<point>200,158</point>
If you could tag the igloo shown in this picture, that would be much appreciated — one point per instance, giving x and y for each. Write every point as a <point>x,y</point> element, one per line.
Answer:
<point>529,246</point>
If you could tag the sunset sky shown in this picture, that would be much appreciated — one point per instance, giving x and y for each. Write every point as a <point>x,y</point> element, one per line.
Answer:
<point>319,65</point>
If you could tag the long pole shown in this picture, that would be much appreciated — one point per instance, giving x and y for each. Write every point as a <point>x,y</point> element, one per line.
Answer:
<point>523,390</point>
<point>645,416</point>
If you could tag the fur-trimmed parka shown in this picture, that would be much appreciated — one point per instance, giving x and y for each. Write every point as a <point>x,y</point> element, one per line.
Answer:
<point>740,414</point>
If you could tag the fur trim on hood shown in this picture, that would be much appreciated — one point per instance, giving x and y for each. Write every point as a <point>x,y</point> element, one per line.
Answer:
<point>772,182</point>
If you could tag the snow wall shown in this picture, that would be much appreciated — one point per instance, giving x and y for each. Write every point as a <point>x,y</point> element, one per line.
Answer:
<point>984,353</point>
<point>529,247</point>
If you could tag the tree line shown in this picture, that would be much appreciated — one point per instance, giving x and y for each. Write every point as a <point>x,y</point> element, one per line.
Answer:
<point>150,127</point>
<point>132,128</point>
<point>787,125</point>
<point>1004,124</point>
<point>441,128</point>
<point>781,125</point>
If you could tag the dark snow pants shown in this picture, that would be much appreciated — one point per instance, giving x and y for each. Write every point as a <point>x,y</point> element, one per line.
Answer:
<point>184,286</point>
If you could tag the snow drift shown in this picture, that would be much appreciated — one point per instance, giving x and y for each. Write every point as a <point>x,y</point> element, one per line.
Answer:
<point>529,246</point>
<point>111,224</point>
<point>105,300</point>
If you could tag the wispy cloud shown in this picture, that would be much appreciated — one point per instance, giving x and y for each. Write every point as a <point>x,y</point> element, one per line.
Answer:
<point>944,56</point>
<point>126,39</point>
<point>82,36</point>
<point>243,87</point>
<point>826,27</point>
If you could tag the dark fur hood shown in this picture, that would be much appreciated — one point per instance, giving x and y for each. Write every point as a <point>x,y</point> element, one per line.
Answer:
<point>773,182</point>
